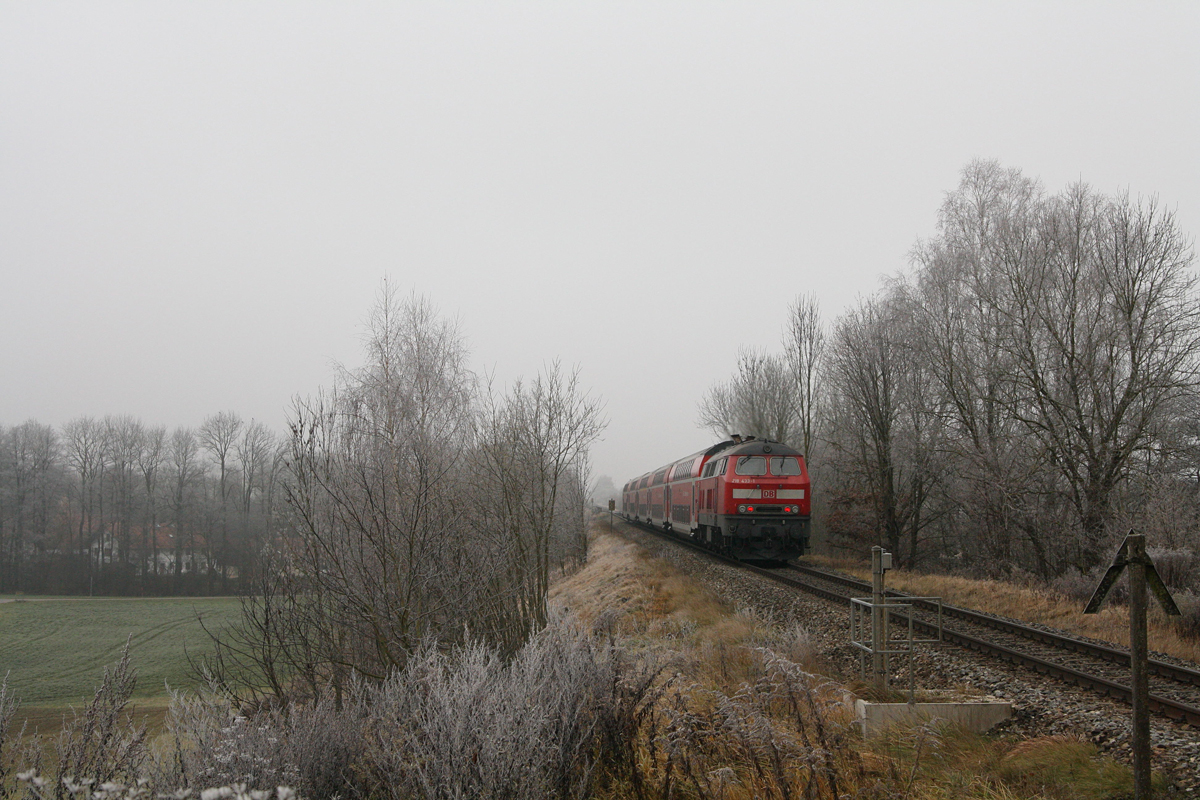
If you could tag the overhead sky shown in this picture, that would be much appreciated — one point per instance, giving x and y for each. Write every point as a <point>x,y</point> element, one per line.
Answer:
<point>198,201</point>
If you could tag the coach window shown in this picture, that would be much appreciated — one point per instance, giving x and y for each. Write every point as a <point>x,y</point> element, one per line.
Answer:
<point>751,465</point>
<point>785,465</point>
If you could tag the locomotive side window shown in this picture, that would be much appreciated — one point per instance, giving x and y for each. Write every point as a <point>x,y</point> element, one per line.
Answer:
<point>714,468</point>
<point>751,465</point>
<point>785,465</point>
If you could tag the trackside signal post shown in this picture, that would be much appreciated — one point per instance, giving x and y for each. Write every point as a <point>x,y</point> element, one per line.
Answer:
<point>1141,574</point>
<point>612,506</point>
<point>876,612</point>
<point>881,562</point>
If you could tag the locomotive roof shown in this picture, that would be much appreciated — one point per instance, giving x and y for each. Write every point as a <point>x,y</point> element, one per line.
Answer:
<point>754,447</point>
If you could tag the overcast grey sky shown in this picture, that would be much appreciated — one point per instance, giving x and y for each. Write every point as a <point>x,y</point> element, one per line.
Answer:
<point>199,200</point>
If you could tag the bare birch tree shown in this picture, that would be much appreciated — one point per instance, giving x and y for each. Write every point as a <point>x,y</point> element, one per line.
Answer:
<point>1000,485</point>
<point>124,441</point>
<point>416,512</point>
<point>84,438</point>
<point>183,456</point>
<point>533,456</point>
<point>884,427</point>
<point>151,457</point>
<point>219,434</point>
<point>804,353</point>
<point>759,400</point>
<point>374,491</point>
<point>29,456</point>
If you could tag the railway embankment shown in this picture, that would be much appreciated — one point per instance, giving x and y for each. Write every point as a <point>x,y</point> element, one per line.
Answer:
<point>1068,741</point>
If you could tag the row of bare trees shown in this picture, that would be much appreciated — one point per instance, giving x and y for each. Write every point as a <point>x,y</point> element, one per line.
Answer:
<point>1027,390</point>
<point>421,505</point>
<point>114,506</point>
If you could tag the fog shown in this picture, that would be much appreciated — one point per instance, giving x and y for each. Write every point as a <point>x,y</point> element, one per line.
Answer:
<point>198,202</point>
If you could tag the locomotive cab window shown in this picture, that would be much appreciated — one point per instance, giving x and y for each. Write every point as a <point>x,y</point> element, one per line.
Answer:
<point>751,465</point>
<point>785,465</point>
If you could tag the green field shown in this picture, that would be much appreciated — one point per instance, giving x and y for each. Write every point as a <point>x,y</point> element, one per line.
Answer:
<point>55,650</point>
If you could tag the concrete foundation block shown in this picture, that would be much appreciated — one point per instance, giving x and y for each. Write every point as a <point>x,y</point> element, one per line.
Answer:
<point>976,716</point>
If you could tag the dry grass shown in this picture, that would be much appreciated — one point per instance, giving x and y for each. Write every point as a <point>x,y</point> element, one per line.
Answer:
<point>1033,604</point>
<point>622,577</point>
<point>933,763</point>
<point>661,608</point>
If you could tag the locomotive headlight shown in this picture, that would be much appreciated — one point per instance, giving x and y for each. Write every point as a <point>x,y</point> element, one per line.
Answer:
<point>741,509</point>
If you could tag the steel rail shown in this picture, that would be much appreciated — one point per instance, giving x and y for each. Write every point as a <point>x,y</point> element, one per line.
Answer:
<point>1057,640</point>
<point>1161,705</point>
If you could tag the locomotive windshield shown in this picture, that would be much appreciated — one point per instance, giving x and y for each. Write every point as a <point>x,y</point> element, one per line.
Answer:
<point>751,465</point>
<point>785,465</point>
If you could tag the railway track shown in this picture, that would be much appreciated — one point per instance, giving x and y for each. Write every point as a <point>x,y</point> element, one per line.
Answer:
<point>1174,690</point>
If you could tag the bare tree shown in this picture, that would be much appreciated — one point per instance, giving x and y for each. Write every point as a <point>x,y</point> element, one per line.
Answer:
<point>183,457</point>
<point>1105,337</point>
<point>880,420</point>
<point>29,456</point>
<point>1044,352</point>
<point>124,440</point>
<point>254,452</point>
<point>533,455</point>
<point>804,352</point>
<point>150,460</point>
<point>759,400</point>
<point>374,491</point>
<point>219,434</point>
<point>85,446</point>
<point>414,512</point>
<point>1000,484</point>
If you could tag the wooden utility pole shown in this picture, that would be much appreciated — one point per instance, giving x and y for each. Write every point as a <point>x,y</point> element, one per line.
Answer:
<point>1142,574</point>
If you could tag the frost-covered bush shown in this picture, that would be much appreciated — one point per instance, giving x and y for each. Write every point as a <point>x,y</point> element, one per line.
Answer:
<point>454,722</point>
<point>470,724</point>
<point>312,747</point>
<point>33,786</point>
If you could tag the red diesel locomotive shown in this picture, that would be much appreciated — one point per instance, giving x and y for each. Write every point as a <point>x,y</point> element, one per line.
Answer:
<point>749,498</point>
